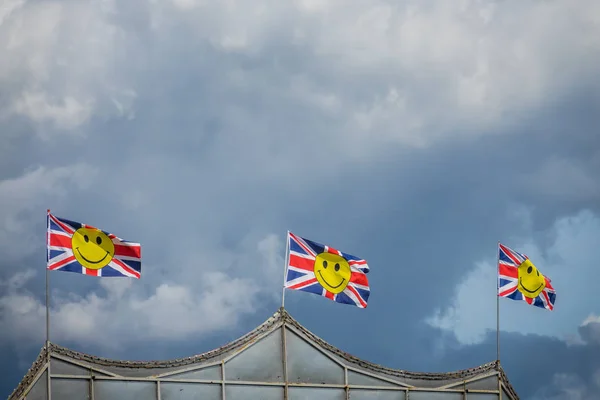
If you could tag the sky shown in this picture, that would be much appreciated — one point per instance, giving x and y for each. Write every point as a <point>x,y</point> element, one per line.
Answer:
<point>415,135</point>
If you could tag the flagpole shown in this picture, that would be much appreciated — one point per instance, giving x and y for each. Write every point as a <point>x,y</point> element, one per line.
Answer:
<point>287,251</point>
<point>498,302</point>
<point>49,381</point>
<point>47,281</point>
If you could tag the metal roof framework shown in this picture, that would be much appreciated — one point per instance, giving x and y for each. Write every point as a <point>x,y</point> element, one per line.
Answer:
<point>280,359</point>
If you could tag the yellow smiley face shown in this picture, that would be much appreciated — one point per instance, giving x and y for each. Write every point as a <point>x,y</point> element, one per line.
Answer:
<point>332,271</point>
<point>531,281</point>
<point>92,248</point>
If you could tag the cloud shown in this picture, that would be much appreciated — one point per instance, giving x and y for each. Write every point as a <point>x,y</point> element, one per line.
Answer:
<point>212,305</point>
<point>8,8</point>
<point>484,67</point>
<point>67,114</point>
<point>272,249</point>
<point>589,330</point>
<point>199,304</point>
<point>573,247</point>
<point>61,74</point>
<point>20,312</point>
<point>569,386</point>
<point>23,201</point>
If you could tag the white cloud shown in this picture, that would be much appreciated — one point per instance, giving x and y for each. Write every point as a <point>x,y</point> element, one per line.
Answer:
<point>186,4</point>
<point>66,114</point>
<point>570,261</point>
<point>20,312</point>
<point>176,311</point>
<point>471,313</point>
<point>8,7</point>
<point>57,65</point>
<point>29,51</point>
<point>472,60</point>
<point>387,71</point>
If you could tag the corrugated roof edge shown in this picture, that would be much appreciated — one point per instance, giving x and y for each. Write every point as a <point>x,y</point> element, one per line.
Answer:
<point>280,317</point>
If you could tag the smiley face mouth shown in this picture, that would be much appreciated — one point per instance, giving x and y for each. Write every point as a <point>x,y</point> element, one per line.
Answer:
<point>90,261</point>
<point>527,290</point>
<point>330,285</point>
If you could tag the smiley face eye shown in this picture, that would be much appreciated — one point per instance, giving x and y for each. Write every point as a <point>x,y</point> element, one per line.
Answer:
<point>98,240</point>
<point>529,270</point>
<point>337,267</point>
<point>538,273</point>
<point>86,238</point>
<point>324,264</point>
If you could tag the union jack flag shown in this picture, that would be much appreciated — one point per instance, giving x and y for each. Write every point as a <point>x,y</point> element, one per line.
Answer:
<point>348,280</point>
<point>117,257</point>
<point>508,280</point>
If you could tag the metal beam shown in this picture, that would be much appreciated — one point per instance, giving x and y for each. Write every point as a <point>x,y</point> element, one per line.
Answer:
<point>279,384</point>
<point>284,361</point>
<point>346,389</point>
<point>83,365</point>
<point>474,379</point>
<point>223,380</point>
<point>91,388</point>
<point>381,378</point>
<point>189,369</point>
<point>48,381</point>
<point>503,386</point>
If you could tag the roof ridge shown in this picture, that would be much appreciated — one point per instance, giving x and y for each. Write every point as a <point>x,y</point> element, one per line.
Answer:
<point>279,318</point>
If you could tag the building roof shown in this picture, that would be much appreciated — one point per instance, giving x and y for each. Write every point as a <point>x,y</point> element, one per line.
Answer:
<point>286,327</point>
